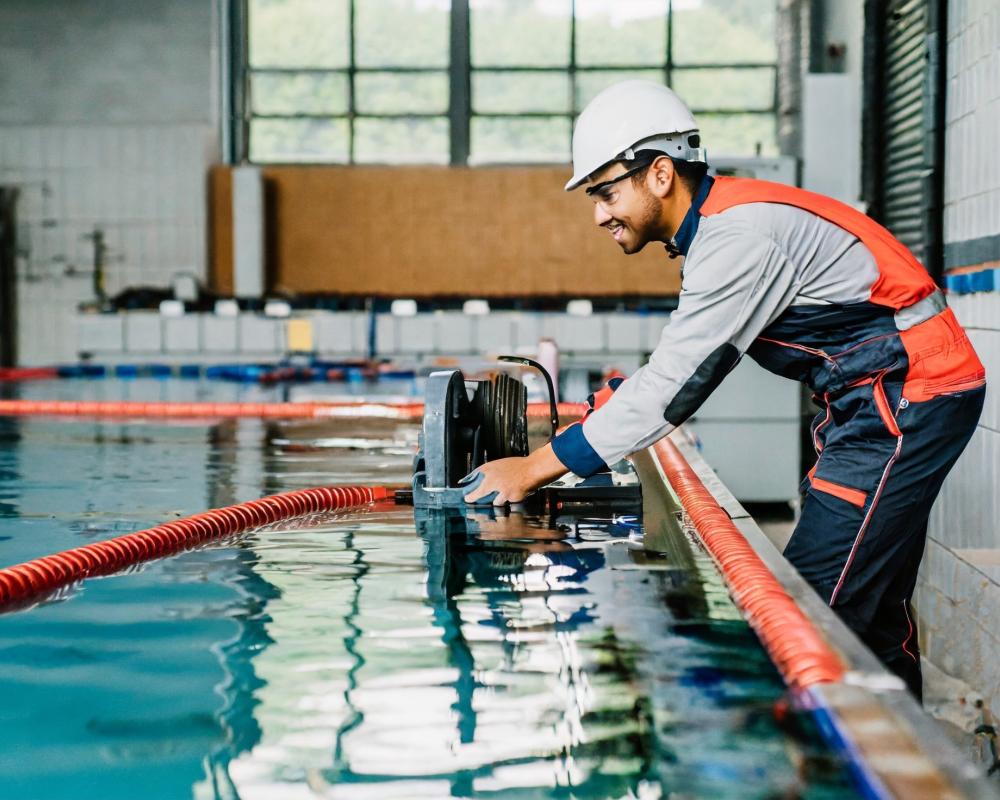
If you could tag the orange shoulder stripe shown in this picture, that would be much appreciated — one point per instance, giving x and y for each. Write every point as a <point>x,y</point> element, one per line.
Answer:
<point>902,279</point>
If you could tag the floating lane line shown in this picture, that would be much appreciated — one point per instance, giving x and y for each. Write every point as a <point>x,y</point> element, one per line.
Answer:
<point>156,410</point>
<point>40,577</point>
<point>798,650</point>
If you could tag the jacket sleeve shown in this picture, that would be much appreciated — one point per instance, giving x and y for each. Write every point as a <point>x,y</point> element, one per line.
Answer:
<point>736,282</point>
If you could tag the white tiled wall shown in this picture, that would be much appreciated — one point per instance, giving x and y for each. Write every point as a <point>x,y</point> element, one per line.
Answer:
<point>143,186</point>
<point>968,510</point>
<point>108,119</point>
<point>137,334</point>
<point>972,171</point>
<point>958,592</point>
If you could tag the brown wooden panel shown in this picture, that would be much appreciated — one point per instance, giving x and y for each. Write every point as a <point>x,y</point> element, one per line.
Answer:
<point>438,231</point>
<point>220,228</point>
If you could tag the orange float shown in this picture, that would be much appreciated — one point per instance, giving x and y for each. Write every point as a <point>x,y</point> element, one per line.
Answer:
<point>133,409</point>
<point>801,654</point>
<point>40,577</point>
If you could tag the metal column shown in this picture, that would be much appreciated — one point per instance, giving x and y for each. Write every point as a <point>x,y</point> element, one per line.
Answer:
<point>8,276</point>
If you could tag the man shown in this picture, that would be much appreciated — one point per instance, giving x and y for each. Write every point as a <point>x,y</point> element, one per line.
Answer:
<point>811,289</point>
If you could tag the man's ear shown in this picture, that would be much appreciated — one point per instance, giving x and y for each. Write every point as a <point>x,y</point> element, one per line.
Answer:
<point>661,176</point>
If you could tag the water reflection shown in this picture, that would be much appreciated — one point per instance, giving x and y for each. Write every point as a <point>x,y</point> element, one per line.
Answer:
<point>467,665</point>
<point>497,656</point>
<point>532,583</point>
<point>143,679</point>
<point>382,654</point>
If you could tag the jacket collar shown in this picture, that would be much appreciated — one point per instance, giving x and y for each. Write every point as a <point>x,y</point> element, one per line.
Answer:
<point>689,225</point>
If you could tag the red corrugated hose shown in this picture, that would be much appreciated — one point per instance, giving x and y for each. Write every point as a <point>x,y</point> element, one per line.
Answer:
<point>798,650</point>
<point>35,579</point>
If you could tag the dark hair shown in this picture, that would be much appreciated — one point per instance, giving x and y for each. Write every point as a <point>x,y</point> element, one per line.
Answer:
<point>690,172</point>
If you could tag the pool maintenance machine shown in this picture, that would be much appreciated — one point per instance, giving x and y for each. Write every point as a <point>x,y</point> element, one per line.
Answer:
<point>470,422</point>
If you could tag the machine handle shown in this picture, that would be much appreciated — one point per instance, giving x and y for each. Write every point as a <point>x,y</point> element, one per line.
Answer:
<point>553,409</point>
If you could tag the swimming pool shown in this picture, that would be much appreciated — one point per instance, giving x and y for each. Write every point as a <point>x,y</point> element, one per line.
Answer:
<point>381,654</point>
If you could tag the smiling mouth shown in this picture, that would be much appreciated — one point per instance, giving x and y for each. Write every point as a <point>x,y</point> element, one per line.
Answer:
<point>616,229</point>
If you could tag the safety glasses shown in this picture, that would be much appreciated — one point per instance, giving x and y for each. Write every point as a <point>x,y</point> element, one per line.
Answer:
<point>600,191</point>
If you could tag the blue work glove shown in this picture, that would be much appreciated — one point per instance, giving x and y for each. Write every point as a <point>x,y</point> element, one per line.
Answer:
<point>471,483</point>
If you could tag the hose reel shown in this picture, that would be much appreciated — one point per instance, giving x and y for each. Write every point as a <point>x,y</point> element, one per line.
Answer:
<point>470,422</point>
<point>466,424</point>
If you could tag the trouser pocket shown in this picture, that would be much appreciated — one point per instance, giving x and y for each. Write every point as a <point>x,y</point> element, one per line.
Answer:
<point>855,497</point>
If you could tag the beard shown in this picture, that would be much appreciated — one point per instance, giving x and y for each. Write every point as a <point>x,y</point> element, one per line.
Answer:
<point>644,226</point>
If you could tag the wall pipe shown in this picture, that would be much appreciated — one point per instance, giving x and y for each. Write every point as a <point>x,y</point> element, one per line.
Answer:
<point>33,580</point>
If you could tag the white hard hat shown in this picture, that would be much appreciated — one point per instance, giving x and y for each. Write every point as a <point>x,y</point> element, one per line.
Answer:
<point>627,117</point>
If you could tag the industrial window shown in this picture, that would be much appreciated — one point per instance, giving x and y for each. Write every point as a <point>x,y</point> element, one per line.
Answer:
<point>348,82</point>
<point>489,81</point>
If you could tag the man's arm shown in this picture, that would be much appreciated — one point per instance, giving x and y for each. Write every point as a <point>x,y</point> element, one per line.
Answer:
<point>735,284</point>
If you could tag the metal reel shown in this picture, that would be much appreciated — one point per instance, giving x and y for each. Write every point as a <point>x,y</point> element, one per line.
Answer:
<point>501,404</point>
<point>507,426</point>
<point>459,434</point>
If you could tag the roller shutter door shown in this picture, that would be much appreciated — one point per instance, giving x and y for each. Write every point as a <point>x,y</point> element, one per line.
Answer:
<point>907,163</point>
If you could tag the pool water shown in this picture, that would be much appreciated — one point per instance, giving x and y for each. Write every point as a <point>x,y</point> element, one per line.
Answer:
<point>388,653</point>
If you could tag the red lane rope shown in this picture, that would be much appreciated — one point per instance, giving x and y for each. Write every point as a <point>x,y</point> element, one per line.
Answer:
<point>91,408</point>
<point>798,650</point>
<point>27,373</point>
<point>42,576</point>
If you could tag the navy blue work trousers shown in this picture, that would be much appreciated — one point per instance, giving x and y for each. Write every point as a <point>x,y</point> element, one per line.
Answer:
<point>861,534</point>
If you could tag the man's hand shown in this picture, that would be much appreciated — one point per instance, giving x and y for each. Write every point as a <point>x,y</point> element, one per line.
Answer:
<point>507,478</point>
<point>513,479</point>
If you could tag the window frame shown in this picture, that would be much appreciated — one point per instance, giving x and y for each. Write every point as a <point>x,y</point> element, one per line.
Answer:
<point>459,72</point>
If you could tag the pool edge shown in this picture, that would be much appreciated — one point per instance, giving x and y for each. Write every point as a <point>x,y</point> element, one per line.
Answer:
<point>894,747</point>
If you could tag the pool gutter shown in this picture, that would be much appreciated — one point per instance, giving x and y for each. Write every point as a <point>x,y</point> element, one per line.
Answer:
<point>893,747</point>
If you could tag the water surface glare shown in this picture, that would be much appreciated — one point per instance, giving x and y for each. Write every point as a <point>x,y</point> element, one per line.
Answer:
<point>385,654</point>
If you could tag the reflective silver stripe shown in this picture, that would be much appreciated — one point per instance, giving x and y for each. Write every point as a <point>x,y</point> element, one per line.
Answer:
<point>921,311</point>
<point>674,144</point>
